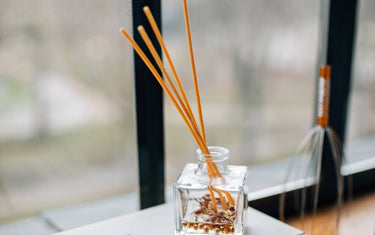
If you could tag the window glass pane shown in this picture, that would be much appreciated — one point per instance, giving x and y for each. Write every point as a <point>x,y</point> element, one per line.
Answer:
<point>256,65</point>
<point>361,132</point>
<point>67,131</point>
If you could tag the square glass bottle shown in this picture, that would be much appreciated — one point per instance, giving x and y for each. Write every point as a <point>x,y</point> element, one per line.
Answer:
<point>194,192</point>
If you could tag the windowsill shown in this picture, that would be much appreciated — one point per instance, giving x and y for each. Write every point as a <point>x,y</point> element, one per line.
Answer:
<point>360,156</point>
<point>60,219</point>
<point>256,223</point>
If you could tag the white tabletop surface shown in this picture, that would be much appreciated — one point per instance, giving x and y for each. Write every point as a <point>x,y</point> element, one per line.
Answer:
<point>159,220</point>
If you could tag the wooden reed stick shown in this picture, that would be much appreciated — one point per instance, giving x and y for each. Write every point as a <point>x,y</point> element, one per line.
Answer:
<point>212,170</point>
<point>202,145</point>
<point>188,33</point>
<point>139,51</point>
<point>159,62</point>
<point>222,199</point>
<point>230,198</point>
<point>216,170</point>
<point>156,30</point>
<point>211,166</point>
<point>213,199</point>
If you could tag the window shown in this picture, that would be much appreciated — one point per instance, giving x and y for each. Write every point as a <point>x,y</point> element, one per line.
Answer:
<point>67,128</point>
<point>67,132</point>
<point>361,122</point>
<point>256,66</point>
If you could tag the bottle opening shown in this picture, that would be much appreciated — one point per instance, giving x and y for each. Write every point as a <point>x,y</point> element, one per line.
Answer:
<point>217,154</point>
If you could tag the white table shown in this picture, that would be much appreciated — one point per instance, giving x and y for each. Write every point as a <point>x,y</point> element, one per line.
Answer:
<point>159,220</point>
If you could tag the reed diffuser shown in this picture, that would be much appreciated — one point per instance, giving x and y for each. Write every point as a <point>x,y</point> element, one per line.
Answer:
<point>205,204</point>
<point>209,196</point>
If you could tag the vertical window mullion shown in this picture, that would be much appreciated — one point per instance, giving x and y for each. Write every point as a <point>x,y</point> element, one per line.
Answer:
<point>341,38</point>
<point>149,113</point>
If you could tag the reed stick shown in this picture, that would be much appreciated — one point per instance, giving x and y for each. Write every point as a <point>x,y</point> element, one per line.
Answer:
<point>213,199</point>
<point>222,199</point>
<point>139,51</point>
<point>156,30</point>
<point>188,34</point>
<point>189,114</point>
<point>159,62</point>
<point>182,106</point>
<point>231,201</point>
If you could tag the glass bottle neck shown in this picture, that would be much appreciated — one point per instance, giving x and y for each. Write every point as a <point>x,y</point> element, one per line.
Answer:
<point>218,155</point>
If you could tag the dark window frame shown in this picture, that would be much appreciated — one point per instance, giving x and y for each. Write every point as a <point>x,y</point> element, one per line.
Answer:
<point>149,113</point>
<point>149,106</point>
